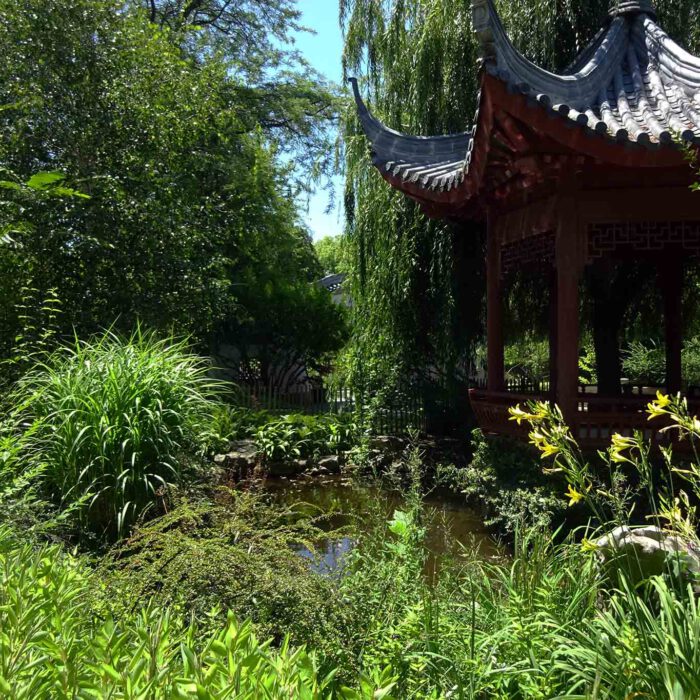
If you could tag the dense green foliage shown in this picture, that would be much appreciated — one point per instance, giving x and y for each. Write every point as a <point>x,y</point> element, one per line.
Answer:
<point>332,254</point>
<point>418,284</point>
<point>504,479</point>
<point>646,362</point>
<point>299,436</point>
<point>292,436</point>
<point>547,622</point>
<point>190,220</point>
<point>112,424</point>
<point>275,88</point>
<point>53,646</point>
<point>236,552</point>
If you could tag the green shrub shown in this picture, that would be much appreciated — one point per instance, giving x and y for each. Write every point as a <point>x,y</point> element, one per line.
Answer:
<point>281,438</point>
<point>644,363</point>
<point>114,422</point>
<point>505,480</point>
<point>22,507</point>
<point>528,359</point>
<point>237,423</point>
<point>52,646</point>
<point>691,361</point>
<point>300,436</point>
<point>238,554</point>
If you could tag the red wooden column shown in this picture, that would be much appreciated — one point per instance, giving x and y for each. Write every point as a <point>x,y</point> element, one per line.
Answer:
<point>494,307</point>
<point>671,282</point>
<point>553,336</point>
<point>568,273</point>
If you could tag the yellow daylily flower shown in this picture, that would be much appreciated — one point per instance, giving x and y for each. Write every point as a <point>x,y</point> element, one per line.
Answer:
<point>620,443</point>
<point>658,407</point>
<point>517,414</point>
<point>588,545</point>
<point>537,439</point>
<point>662,400</point>
<point>549,450</point>
<point>574,496</point>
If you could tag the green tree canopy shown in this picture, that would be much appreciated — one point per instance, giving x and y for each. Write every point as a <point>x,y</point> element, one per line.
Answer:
<point>191,209</point>
<point>332,255</point>
<point>276,88</point>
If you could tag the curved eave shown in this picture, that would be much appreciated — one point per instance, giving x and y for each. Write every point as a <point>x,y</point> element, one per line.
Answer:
<point>576,138</point>
<point>424,167</point>
<point>630,99</point>
<point>632,84</point>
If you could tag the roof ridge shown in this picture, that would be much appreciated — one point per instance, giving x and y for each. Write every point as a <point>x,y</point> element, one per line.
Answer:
<point>577,90</point>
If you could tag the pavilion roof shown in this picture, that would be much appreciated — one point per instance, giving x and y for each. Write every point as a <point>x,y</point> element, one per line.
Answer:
<point>632,87</point>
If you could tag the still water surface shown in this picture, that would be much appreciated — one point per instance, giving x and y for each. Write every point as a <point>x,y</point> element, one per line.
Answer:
<point>452,528</point>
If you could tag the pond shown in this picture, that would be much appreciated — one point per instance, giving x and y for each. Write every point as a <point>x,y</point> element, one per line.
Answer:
<point>361,508</point>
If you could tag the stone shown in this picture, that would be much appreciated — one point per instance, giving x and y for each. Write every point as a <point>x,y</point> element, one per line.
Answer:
<point>387,443</point>
<point>244,446</point>
<point>290,467</point>
<point>330,464</point>
<point>647,551</point>
<point>241,458</point>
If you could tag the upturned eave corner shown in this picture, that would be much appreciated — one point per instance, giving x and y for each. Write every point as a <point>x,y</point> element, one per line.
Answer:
<point>482,25</point>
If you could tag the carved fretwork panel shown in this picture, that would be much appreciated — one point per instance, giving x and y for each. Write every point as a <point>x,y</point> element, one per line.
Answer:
<point>535,252</point>
<point>643,237</point>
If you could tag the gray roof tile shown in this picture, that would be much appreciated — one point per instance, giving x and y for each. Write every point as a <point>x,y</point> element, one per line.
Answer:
<point>633,83</point>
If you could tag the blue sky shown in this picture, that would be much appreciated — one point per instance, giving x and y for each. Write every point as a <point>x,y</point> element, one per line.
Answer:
<point>324,51</point>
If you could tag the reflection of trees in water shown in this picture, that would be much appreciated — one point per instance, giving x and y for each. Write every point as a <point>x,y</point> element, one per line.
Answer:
<point>358,514</point>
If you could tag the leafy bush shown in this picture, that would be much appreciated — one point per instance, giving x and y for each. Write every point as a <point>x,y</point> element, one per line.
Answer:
<point>113,423</point>
<point>646,362</point>
<point>504,479</point>
<point>238,554</point>
<point>281,438</point>
<point>300,436</point>
<point>52,646</point>
<point>528,359</point>
<point>22,506</point>
<point>690,357</point>
<point>237,423</point>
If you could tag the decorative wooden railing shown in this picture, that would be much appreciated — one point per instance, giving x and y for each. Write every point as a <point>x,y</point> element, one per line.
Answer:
<point>598,417</point>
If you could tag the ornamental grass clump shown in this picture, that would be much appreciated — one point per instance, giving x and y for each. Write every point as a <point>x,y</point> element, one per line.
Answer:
<point>114,422</point>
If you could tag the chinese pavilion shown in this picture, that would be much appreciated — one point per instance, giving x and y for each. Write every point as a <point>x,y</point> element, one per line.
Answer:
<point>567,170</point>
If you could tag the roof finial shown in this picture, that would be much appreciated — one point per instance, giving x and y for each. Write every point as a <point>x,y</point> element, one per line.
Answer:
<point>481,22</point>
<point>620,8</point>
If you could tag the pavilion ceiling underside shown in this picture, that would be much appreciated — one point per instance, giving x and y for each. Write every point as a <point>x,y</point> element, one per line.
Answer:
<point>629,98</point>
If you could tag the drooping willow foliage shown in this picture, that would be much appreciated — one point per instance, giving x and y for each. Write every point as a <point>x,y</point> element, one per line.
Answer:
<point>418,285</point>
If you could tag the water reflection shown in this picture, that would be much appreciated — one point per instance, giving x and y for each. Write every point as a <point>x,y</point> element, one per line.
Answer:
<point>452,527</point>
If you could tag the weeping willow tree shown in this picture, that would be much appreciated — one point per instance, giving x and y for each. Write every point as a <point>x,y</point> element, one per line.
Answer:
<point>418,285</point>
